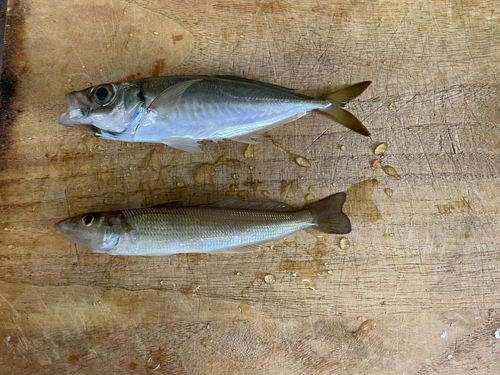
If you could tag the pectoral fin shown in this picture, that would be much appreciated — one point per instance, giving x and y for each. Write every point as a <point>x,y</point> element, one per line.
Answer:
<point>165,103</point>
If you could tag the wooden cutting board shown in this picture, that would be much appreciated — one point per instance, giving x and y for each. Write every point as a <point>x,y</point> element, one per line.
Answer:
<point>417,291</point>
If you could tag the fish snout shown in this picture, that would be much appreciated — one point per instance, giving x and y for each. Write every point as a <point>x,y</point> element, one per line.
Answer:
<point>77,113</point>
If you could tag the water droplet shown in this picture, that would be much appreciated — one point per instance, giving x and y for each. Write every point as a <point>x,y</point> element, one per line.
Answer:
<point>391,172</point>
<point>269,279</point>
<point>302,161</point>
<point>180,184</point>
<point>251,168</point>
<point>7,338</point>
<point>6,229</point>
<point>100,148</point>
<point>302,178</point>
<point>162,282</point>
<point>155,32</point>
<point>380,149</point>
<point>265,193</point>
<point>330,272</point>
<point>243,194</point>
<point>343,148</point>
<point>391,106</point>
<point>207,341</point>
<point>344,243</point>
<point>235,176</point>
<point>130,34</point>
<point>70,80</point>
<point>242,36</point>
<point>11,247</point>
<point>376,163</point>
<point>365,327</point>
<point>237,273</point>
<point>249,152</point>
<point>388,192</point>
<point>129,145</point>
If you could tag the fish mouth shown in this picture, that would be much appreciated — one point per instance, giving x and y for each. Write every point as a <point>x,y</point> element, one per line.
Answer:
<point>77,113</point>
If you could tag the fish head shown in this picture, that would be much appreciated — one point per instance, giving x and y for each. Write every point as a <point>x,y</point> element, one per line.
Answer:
<point>106,110</point>
<point>98,232</point>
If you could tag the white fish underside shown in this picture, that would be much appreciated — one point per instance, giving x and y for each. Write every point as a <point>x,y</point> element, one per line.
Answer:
<point>155,232</point>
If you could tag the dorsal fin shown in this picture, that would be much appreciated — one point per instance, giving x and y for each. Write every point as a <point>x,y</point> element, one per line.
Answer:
<point>261,84</point>
<point>256,206</point>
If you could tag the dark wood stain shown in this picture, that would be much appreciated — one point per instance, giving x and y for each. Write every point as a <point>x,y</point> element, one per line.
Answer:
<point>177,38</point>
<point>133,365</point>
<point>73,358</point>
<point>132,77</point>
<point>158,68</point>
<point>14,67</point>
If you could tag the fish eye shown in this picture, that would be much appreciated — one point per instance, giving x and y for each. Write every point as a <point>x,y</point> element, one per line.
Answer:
<point>103,94</point>
<point>87,220</point>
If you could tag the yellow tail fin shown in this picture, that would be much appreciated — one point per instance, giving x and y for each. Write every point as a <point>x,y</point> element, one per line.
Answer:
<point>338,99</point>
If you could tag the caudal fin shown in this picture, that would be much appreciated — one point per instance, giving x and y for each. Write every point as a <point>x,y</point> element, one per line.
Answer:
<point>329,216</point>
<point>338,99</point>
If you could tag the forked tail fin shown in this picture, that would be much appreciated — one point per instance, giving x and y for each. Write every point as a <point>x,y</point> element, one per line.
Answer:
<point>338,99</point>
<point>328,214</point>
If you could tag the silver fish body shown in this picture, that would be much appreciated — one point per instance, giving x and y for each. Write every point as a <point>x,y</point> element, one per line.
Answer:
<point>222,227</point>
<point>181,111</point>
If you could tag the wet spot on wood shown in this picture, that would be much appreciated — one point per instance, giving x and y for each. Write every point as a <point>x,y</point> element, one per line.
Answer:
<point>359,205</point>
<point>449,207</point>
<point>320,249</point>
<point>286,189</point>
<point>365,327</point>
<point>305,271</point>
<point>73,358</point>
<point>243,194</point>
<point>203,175</point>
<point>251,183</point>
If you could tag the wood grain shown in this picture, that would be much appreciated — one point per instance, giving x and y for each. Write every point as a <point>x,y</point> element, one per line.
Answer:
<point>423,265</point>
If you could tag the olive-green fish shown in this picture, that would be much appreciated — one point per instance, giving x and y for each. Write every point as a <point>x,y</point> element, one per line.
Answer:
<point>225,227</point>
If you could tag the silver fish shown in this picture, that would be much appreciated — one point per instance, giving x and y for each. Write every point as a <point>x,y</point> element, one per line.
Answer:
<point>225,227</point>
<point>181,111</point>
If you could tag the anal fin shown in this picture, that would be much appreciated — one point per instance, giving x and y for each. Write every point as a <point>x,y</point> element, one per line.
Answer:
<point>184,144</point>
